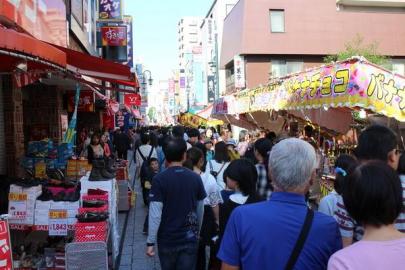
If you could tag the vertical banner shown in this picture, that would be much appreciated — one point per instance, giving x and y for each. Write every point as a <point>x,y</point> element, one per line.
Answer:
<point>6,258</point>
<point>239,69</point>
<point>71,132</point>
<point>130,50</point>
<point>211,88</point>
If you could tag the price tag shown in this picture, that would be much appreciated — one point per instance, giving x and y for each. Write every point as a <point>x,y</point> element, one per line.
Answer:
<point>17,207</point>
<point>58,225</point>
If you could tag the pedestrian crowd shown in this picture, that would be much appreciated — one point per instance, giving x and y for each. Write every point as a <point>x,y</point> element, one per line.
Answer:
<point>218,203</point>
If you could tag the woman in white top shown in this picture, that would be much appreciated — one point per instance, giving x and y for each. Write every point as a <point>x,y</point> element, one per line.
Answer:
<point>328,205</point>
<point>218,165</point>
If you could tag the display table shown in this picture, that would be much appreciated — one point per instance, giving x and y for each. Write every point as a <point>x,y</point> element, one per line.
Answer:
<point>111,187</point>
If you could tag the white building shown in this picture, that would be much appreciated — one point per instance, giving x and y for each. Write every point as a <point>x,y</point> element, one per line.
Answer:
<point>212,32</point>
<point>189,37</point>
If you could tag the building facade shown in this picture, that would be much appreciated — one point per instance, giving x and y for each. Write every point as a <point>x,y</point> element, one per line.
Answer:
<point>279,37</point>
<point>214,79</point>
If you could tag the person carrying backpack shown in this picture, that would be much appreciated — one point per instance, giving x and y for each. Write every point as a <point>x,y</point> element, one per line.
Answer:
<point>142,156</point>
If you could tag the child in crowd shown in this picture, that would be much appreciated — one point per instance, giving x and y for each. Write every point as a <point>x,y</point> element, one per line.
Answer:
<point>154,169</point>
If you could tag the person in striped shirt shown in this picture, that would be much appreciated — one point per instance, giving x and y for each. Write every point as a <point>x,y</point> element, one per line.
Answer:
<point>375,143</point>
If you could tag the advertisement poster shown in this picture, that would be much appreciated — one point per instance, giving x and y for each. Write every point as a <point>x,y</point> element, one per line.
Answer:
<point>114,36</point>
<point>86,101</point>
<point>239,70</point>
<point>211,88</point>
<point>6,261</point>
<point>132,100</point>
<point>58,225</point>
<point>109,10</point>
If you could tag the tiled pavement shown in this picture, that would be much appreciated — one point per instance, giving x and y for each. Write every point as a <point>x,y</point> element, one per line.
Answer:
<point>134,243</point>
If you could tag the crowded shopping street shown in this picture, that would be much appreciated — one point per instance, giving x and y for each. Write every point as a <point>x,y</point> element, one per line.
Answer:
<point>202,135</point>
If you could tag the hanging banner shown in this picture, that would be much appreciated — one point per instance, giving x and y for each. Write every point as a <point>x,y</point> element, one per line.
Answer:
<point>132,100</point>
<point>108,121</point>
<point>109,9</point>
<point>86,101</point>
<point>239,71</point>
<point>71,132</point>
<point>114,36</point>
<point>351,83</point>
<point>211,88</point>
<point>192,120</point>
<point>6,258</point>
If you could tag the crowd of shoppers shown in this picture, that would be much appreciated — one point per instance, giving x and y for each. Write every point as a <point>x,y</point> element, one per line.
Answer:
<point>222,204</point>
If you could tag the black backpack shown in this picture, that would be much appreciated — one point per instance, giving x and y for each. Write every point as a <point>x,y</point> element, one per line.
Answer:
<point>145,165</point>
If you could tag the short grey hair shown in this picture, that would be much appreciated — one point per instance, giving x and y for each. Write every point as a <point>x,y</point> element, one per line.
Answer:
<point>291,163</point>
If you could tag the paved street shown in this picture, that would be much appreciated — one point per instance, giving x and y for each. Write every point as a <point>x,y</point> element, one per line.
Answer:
<point>133,249</point>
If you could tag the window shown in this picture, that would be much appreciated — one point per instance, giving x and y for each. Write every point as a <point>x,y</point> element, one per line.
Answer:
<point>398,66</point>
<point>280,68</point>
<point>277,21</point>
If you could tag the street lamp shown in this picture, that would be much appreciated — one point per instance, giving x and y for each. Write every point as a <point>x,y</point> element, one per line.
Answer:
<point>150,80</point>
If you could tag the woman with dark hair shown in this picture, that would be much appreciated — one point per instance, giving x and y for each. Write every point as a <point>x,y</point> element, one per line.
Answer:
<point>343,166</point>
<point>241,176</point>
<point>218,165</point>
<point>262,150</point>
<point>195,161</point>
<point>373,197</point>
<point>95,149</point>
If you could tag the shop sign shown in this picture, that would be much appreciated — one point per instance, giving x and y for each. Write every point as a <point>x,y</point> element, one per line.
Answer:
<point>351,83</point>
<point>86,101</point>
<point>45,19</point>
<point>17,207</point>
<point>114,36</point>
<point>109,10</point>
<point>58,225</point>
<point>6,258</point>
<point>132,100</point>
<point>239,71</point>
<point>130,50</point>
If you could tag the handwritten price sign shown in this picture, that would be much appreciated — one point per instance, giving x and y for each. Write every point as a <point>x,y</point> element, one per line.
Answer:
<point>58,225</point>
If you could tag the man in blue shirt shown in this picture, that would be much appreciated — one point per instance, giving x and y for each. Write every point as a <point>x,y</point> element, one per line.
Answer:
<point>264,235</point>
<point>175,211</point>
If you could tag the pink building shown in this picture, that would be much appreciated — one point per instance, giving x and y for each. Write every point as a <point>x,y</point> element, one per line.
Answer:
<point>277,37</point>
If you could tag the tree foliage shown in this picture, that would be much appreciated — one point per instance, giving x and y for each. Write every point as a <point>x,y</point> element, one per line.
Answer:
<point>357,47</point>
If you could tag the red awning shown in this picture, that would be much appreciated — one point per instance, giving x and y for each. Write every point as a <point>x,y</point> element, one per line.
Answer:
<point>99,68</point>
<point>15,42</point>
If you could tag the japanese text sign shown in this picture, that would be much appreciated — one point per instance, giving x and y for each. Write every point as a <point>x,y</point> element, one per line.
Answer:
<point>58,225</point>
<point>114,36</point>
<point>6,262</point>
<point>86,101</point>
<point>109,10</point>
<point>239,66</point>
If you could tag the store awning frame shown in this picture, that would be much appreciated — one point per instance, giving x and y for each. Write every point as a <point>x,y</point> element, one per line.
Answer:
<point>23,45</point>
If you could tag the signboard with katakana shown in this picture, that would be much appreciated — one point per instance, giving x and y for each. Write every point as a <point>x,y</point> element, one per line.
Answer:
<point>109,10</point>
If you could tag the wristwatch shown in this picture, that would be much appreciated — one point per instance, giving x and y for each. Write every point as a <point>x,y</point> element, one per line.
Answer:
<point>150,244</point>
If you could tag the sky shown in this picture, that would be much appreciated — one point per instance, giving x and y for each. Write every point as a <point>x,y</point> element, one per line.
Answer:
<point>155,31</point>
